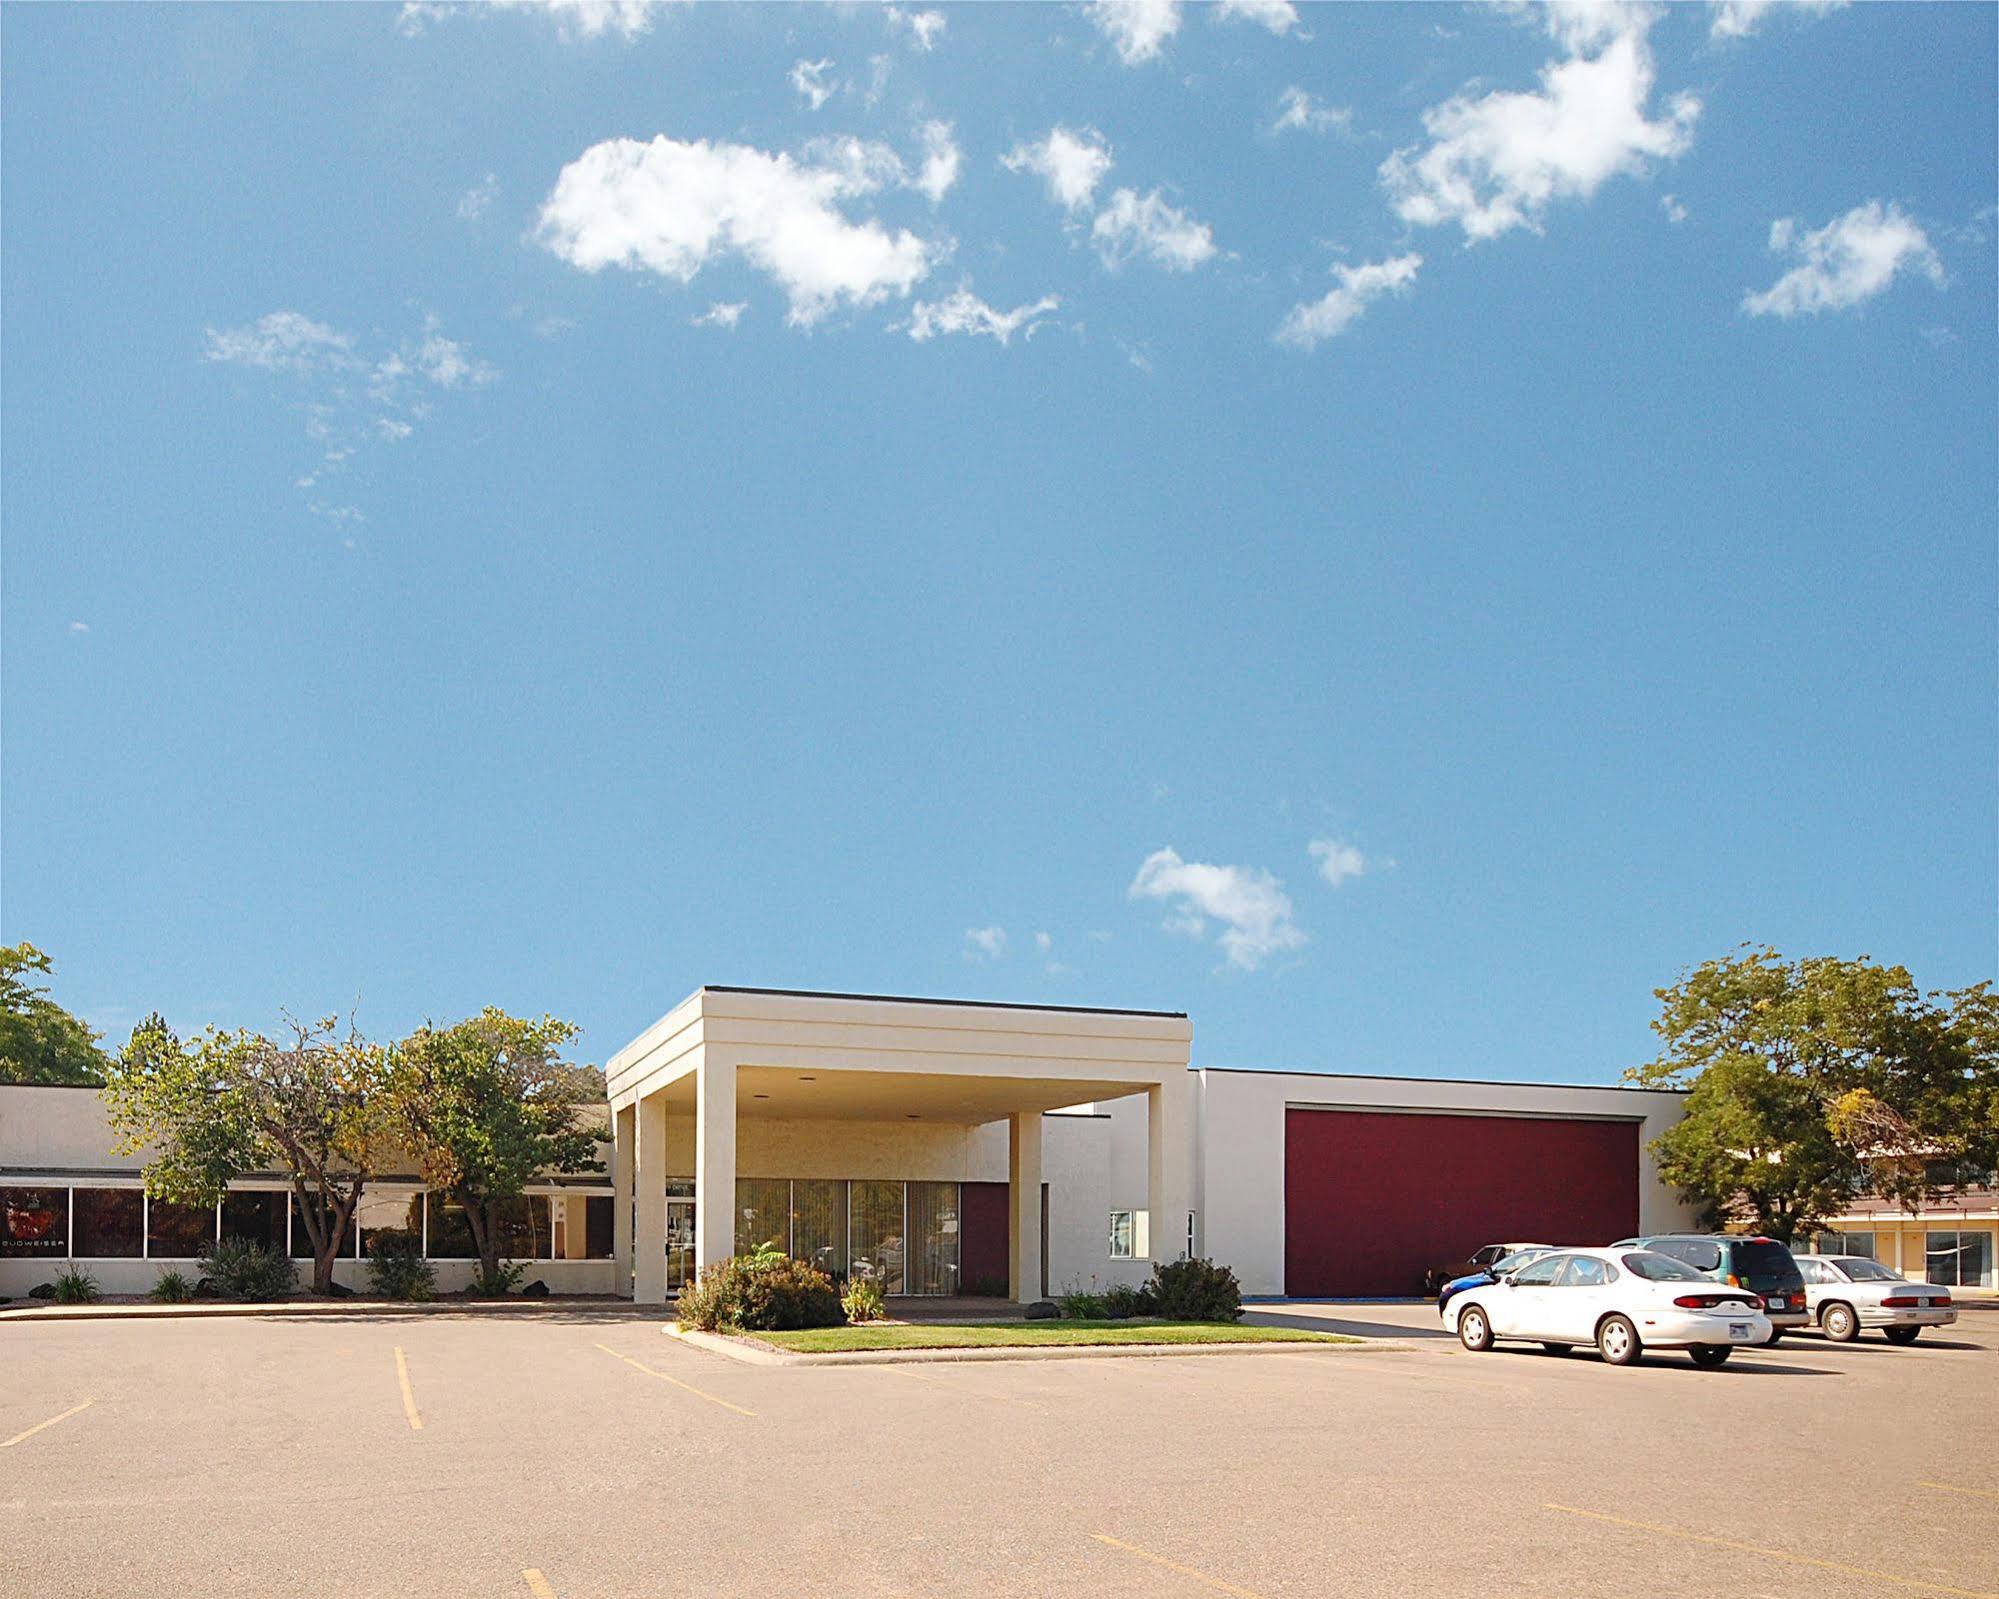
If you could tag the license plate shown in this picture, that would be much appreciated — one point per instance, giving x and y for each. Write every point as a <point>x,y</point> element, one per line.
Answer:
<point>1775,1303</point>
<point>1738,1329</point>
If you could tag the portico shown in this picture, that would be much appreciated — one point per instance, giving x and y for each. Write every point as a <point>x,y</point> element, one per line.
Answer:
<point>849,1129</point>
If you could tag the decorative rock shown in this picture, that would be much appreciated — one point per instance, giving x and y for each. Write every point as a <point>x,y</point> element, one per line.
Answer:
<point>42,1291</point>
<point>339,1291</point>
<point>1043,1310</point>
<point>535,1290</point>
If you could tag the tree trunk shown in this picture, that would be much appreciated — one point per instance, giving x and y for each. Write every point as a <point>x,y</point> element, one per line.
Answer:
<point>485,1235</point>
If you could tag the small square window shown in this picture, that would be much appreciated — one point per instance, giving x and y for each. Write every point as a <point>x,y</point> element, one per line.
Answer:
<point>1124,1233</point>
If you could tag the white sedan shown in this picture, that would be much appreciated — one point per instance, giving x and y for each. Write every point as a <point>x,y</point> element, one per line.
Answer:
<point>1848,1292</point>
<point>1624,1301</point>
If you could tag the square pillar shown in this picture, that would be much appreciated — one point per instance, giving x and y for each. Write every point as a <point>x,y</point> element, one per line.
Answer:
<point>1166,1168</point>
<point>714,1161</point>
<point>649,1222</point>
<point>1023,1177</point>
<point>624,1135</point>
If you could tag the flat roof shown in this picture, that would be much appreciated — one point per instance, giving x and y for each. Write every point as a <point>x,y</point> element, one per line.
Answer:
<point>1399,1077</point>
<point>921,999</point>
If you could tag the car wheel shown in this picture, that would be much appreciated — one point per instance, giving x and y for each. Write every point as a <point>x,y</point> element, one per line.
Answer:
<point>1710,1355</point>
<point>1839,1323</point>
<point>1558,1349</point>
<point>1617,1341</point>
<point>1474,1331</point>
<point>1900,1335</point>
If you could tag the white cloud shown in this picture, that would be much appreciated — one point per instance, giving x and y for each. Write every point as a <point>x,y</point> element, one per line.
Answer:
<point>477,200</point>
<point>84,627</point>
<point>393,429</point>
<point>722,314</point>
<point>1251,905</point>
<point>1676,213</point>
<point>1073,161</point>
<point>1298,112</point>
<point>1132,225</point>
<point>445,362</point>
<point>1359,287</point>
<point>574,19</point>
<point>985,943</point>
<point>670,207</point>
<point>1337,861</point>
<point>1849,260</point>
<point>1738,19</point>
<point>942,161</point>
<point>1279,16</point>
<point>925,28</point>
<point>1137,29</point>
<point>809,79</point>
<point>1043,943</point>
<point>282,341</point>
<point>964,312</point>
<point>1498,161</point>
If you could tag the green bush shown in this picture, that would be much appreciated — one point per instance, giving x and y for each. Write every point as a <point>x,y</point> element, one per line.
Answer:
<point>1081,1304</point>
<point>504,1278</point>
<point>75,1286</point>
<point>1122,1301</point>
<point>1195,1290</point>
<point>241,1269</point>
<point>396,1267</point>
<point>862,1299</point>
<point>173,1288</point>
<point>764,1291</point>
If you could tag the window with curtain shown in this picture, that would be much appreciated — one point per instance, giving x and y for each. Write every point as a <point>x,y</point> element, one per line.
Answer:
<point>763,1213</point>
<point>819,1224</point>
<point>34,1222</point>
<point>1959,1259</point>
<point>876,1245</point>
<point>110,1223</point>
<point>933,1238</point>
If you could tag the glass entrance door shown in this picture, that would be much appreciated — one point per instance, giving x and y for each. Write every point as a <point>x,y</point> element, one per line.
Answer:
<point>679,1244</point>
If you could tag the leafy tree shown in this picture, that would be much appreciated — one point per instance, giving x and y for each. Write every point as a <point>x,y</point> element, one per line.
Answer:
<point>313,1105</point>
<point>40,1042</point>
<point>1811,1080</point>
<point>486,1106</point>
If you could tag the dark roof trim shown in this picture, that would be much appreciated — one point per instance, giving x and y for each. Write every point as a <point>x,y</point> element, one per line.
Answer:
<point>918,999</point>
<point>1388,1077</point>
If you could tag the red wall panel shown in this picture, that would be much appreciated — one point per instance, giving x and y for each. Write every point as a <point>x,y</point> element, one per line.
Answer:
<point>1373,1200</point>
<point>984,1221</point>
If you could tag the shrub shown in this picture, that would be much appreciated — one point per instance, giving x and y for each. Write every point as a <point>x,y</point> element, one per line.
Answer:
<point>1081,1304</point>
<point>173,1288</point>
<point>764,1291</point>
<point>396,1267</point>
<point>1123,1301</point>
<point>74,1286</point>
<point>863,1301</point>
<point>1195,1290</point>
<point>241,1269</point>
<point>504,1278</point>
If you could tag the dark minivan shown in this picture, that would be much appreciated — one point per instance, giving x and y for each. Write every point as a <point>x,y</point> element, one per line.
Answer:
<point>1760,1264</point>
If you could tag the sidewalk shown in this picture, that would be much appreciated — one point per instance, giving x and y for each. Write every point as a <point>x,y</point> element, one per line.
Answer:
<point>599,1305</point>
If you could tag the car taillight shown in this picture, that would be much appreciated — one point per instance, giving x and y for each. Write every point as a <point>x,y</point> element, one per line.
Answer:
<point>1900,1301</point>
<point>1706,1301</point>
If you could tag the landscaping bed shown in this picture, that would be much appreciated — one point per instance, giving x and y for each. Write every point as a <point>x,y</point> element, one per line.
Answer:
<point>1029,1334</point>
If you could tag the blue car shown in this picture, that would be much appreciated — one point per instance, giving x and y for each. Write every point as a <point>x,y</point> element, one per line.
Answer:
<point>1504,1266</point>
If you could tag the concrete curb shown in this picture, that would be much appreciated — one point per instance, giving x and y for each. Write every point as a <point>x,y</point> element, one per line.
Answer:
<point>752,1353</point>
<point>607,1308</point>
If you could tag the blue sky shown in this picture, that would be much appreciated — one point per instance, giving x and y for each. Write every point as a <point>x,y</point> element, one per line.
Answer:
<point>1391,530</point>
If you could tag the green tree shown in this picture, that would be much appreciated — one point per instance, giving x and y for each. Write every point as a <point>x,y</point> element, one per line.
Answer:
<point>486,1106</point>
<point>1811,1080</point>
<point>40,1042</point>
<point>313,1105</point>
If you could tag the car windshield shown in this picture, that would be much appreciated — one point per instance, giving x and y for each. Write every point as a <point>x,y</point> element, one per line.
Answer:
<point>1661,1268</point>
<point>1519,1258</point>
<point>1862,1270</point>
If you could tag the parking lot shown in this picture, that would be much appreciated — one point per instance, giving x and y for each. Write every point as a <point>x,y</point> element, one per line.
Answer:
<point>584,1455</point>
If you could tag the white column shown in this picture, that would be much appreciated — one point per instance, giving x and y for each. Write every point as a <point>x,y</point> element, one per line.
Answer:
<point>624,1135</point>
<point>1166,1167</point>
<point>714,1161</point>
<point>649,1186</point>
<point>1023,1176</point>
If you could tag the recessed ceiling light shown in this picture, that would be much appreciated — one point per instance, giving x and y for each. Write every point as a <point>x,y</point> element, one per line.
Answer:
<point>912,1116</point>
<point>808,1079</point>
<point>760,1096</point>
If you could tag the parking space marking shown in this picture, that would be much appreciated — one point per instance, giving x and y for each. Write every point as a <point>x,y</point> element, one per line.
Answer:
<point>699,1393</point>
<point>409,1393</point>
<point>1781,1554</point>
<point>537,1584</point>
<point>1953,1488</point>
<point>1188,1572</point>
<point>22,1437</point>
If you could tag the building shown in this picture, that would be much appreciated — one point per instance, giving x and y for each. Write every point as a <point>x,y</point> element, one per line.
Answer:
<point>1952,1241</point>
<point>947,1147</point>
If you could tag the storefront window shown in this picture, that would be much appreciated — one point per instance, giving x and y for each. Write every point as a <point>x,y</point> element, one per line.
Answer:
<point>819,1224</point>
<point>877,1233</point>
<point>1959,1259</point>
<point>933,1238</point>
<point>450,1232</point>
<point>179,1232</point>
<point>522,1227</point>
<point>763,1213</point>
<point>256,1217</point>
<point>598,1220</point>
<point>34,1222</point>
<point>110,1223</point>
<point>386,1210</point>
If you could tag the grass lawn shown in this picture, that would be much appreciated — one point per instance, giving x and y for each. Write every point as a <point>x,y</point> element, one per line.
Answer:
<point>1000,1334</point>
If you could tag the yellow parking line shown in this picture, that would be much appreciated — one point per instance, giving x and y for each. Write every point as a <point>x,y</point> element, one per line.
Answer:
<point>1780,1554</point>
<point>537,1584</point>
<point>21,1437</point>
<point>699,1393</point>
<point>409,1393</point>
<point>1171,1565</point>
<point>1953,1488</point>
